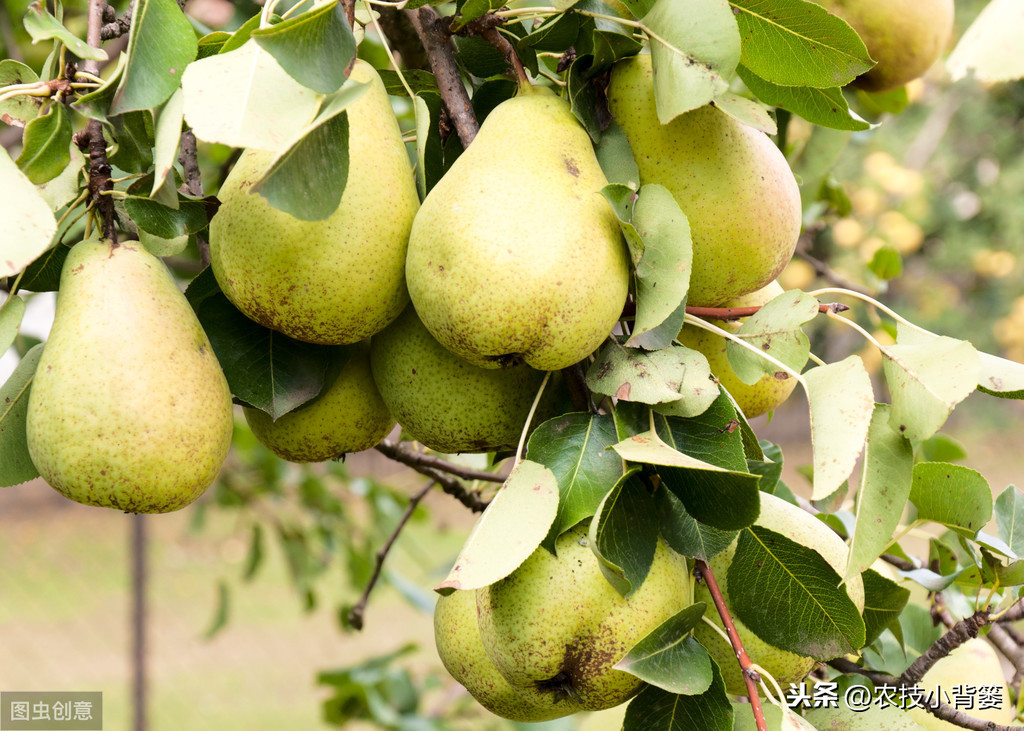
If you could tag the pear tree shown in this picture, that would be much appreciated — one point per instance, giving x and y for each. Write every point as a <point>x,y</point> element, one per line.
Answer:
<point>545,234</point>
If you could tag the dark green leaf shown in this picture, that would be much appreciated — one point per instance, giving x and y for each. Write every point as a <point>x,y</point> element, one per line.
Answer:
<point>264,368</point>
<point>583,97</point>
<point>621,535</point>
<point>314,47</point>
<point>222,611</point>
<point>883,601</point>
<point>798,43</point>
<point>685,535</point>
<point>886,263</point>
<point>810,613</point>
<point>211,43</point>
<point>470,10</point>
<point>254,558</point>
<point>418,81</point>
<point>43,274</point>
<point>770,469</point>
<point>134,136</point>
<point>825,107</point>
<point>656,710</point>
<point>670,658</point>
<point>42,26</point>
<point>44,152</point>
<point>957,497</point>
<point>608,48</point>
<point>167,223</point>
<point>16,465</point>
<point>575,448</point>
<point>555,34</point>
<point>479,58</point>
<point>96,104</point>
<point>161,44</point>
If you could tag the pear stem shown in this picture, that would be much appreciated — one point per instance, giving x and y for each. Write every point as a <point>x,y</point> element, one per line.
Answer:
<point>737,645</point>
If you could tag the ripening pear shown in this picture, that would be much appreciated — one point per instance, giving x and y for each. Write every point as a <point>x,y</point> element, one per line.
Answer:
<point>786,667</point>
<point>129,408</point>
<point>446,403</point>
<point>348,416</point>
<point>904,37</point>
<point>731,181</point>
<point>555,627</point>
<point>753,400</point>
<point>515,256</point>
<point>335,281</point>
<point>873,718</point>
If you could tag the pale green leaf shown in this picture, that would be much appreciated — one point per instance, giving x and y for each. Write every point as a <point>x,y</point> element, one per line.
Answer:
<point>29,223</point>
<point>42,26</point>
<point>508,531</point>
<point>18,110</point>
<point>158,246</point>
<point>12,310</point>
<point>747,112</point>
<point>884,488</point>
<point>841,403</point>
<point>1009,509</point>
<point>956,496</point>
<point>168,137</point>
<point>422,118</point>
<point>775,331</point>
<point>45,144</point>
<point>990,47</point>
<point>621,536</point>
<point>695,46</point>
<point>660,376</point>
<point>15,463</point>
<point>245,99</point>
<point>64,188</point>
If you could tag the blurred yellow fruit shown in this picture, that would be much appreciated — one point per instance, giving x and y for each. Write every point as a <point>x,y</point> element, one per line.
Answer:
<point>902,182</point>
<point>994,264</point>
<point>867,202</point>
<point>798,274</point>
<point>871,355</point>
<point>878,165</point>
<point>905,235</point>
<point>847,232</point>
<point>870,246</point>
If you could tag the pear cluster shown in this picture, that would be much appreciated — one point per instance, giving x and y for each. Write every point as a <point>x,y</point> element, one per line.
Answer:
<point>542,642</point>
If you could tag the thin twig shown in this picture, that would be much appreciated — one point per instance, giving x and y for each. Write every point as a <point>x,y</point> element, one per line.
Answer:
<point>93,141</point>
<point>437,43</point>
<point>750,676</point>
<point>188,156</point>
<point>410,457</point>
<point>1010,649</point>
<point>449,484</point>
<point>355,615</point>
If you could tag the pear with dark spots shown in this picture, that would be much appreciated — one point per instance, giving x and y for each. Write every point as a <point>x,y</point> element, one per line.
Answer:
<point>129,408</point>
<point>515,256</point>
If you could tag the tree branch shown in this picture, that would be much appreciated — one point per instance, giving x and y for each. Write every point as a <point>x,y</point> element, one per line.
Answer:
<point>500,42</point>
<point>115,28</point>
<point>958,634</point>
<point>436,42</point>
<point>92,140</point>
<point>355,615</point>
<point>750,676</point>
<point>401,36</point>
<point>449,484</point>
<point>188,156</point>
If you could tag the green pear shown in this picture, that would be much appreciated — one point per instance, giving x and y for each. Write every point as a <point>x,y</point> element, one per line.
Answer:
<point>446,403</point>
<point>904,37</point>
<point>348,416</point>
<point>844,718</point>
<point>556,626</point>
<point>129,408</point>
<point>335,281</point>
<point>974,663</point>
<point>753,400</point>
<point>730,180</point>
<point>515,256</point>
<point>462,652</point>
<point>786,667</point>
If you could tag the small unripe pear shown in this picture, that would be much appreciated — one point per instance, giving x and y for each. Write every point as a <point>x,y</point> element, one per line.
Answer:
<point>904,37</point>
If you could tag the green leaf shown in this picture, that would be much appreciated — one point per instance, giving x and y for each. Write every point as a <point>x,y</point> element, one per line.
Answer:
<point>942,448</point>
<point>245,99</point>
<point>314,47</point>
<point>695,46</point>
<point>29,224</point>
<point>133,134</point>
<point>990,47</point>
<point>810,613</point>
<point>746,111</point>
<point>663,273</point>
<point>15,463</point>
<point>308,179</point>
<point>687,536</point>
<point>158,246</point>
<point>622,537</point>
<point>222,612</point>
<point>96,104</point>
<point>583,97</point>
<point>884,488</point>
<point>42,26</point>
<point>168,138</point>
<point>18,110</point>
<point>884,600</point>
<point>670,658</point>
<point>264,368</point>
<point>167,223</point>
<point>575,448</point>
<point>825,107</point>
<point>43,274</point>
<point>657,710</point>
<point>470,10</point>
<point>893,101</point>
<point>254,557</point>
<point>798,43</point>
<point>12,310</point>
<point>508,531</point>
<point>775,331</point>
<point>44,152</point>
<point>927,381</point>
<point>956,496</point>
<point>418,81</point>
<point>841,404</point>
<point>1009,509</point>
<point>886,263</point>
<point>616,158</point>
<point>161,44</point>
<point>63,189</point>
<point>421,112</point>
<point>660,376</point>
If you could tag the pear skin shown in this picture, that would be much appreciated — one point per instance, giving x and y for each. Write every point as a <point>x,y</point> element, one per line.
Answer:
<point>731,181</point>
<point>446,403</point>
<point>753,400</point>
<point>129,408</point>
<point>904,37</point>
<point>786,667</point>
<point>348,416</point>
<point>515,256</point>
<point>335,281</point>
<point>557,627</point>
